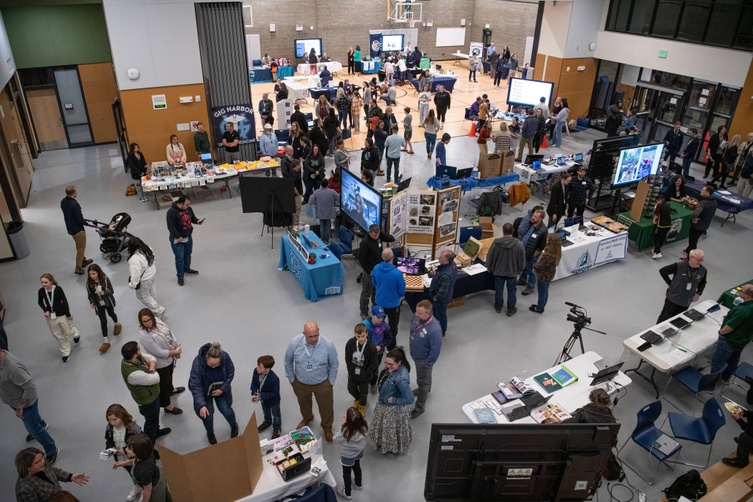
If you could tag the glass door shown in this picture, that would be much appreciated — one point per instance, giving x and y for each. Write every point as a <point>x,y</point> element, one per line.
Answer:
<point>73,107</point>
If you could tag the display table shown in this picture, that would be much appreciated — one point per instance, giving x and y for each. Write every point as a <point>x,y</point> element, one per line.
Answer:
<point>323,278</point>
<point>328,92</point>
<point>591,251</point>
<point>571,398</point>
<point>167,183</point>
<point>680,350</point>
<point>272,487</point>
<point>727,298</point>
<point>436,80</point>
<point>642,232</point>
<point>296,90</point>
<point>529,174</point>
<point>369,66</point>
<point>731,204</point>
<point>332,66</point>
<point>466,184</point>
<point>460,57</point>
<point>285,71</point>
<point>464,285</point>
<point>260,74</point>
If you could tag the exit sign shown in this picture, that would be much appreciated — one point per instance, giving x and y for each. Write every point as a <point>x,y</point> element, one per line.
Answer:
<point>663,53</point>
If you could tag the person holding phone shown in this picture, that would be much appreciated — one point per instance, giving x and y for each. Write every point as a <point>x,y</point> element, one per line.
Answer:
<point>180,220</point>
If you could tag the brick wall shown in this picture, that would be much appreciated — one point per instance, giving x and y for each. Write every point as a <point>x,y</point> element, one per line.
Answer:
<point>510,22</point>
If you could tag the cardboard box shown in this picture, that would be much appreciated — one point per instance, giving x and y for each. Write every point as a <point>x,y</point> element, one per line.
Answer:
<point>227,471</point>
<point>508,162</point>
<point>488,229</point>
<point>489,165</point>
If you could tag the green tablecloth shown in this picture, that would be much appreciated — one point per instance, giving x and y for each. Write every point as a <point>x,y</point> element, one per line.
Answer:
<point>642,232</point>
<point>729,295</point>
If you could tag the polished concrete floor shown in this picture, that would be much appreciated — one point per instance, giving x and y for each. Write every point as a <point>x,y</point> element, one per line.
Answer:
<point>241,300</point>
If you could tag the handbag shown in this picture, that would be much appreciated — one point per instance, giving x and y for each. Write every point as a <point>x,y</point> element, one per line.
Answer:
<point>130,190</point>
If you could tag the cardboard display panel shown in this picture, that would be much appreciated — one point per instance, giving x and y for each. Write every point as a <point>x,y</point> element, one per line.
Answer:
<point>641,193</point>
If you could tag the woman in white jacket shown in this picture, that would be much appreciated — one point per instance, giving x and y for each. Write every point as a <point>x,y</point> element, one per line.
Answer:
<point>142,274</point>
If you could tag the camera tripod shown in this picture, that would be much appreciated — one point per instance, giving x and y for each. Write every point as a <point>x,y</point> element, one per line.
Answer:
<point>578,316</point>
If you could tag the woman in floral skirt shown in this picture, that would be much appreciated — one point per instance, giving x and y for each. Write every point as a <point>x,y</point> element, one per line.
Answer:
<point>390,429</point>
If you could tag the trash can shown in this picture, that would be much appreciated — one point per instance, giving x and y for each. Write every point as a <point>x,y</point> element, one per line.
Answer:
<point>18,239</point>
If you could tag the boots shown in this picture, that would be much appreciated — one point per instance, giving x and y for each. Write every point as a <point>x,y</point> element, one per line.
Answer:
<point>105,345</point>
<point>355,403</point>
<point>362,409</point>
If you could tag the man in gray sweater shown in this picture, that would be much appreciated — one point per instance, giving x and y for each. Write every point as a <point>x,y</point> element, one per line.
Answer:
<point>506,261</point>
<point>18,391</point>
<point>686,285</point>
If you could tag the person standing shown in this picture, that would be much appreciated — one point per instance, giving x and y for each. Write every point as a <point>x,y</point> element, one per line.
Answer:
<point>727,165</point>
<point>472,65</point>
<point>297,191</point>
<point>673,143</point>
<point>581,188</point>
<point>441,151</point>
<point>356,105</point>
<point>299,118</point>
<point>142,272</point>
<point>392,146</point>
<point>140,376</point>
<point>407,131</point>
<point>352,439</point>
<point>744,441</point>
<point>210,383</point>
<point>18,390</point>
<point>389,286</point>
<point>120,427</point>
<point>51,299</point>
<point>662,224</point>
<point>231,141</point>
<point>688,154</point>
<point>715,149</point>
<point>442,287</point>
<point>431,128</point>
<point>545,270</point>
<point>266,109</point>
<point>505,261</point>
<point>102,301</point>
<point>180,220</point>
<point>702,216</point>
<point>736,332</point>
<point>362,361</point>
<point>502,139</point>
<point>136,164</point>
<point>541,105</point>
<point>442,101</point>
<point>268,142</point>
<point>380,336</point>
<point>530,126</point>
<point>324,201</point>
<point>499,70</point>
<point>391,430</point>
<point>265,389</point>
<point>311,368</point>
<point>615,114</point>
<point>686,281</point>
<point>145,471</point>
<point>74,224</point>
<point>424,103</point>
<point>557,207</point>
<point>745,184</point>
<point>313,172</point>
<point>38,480</point>
<point>201,140</point>
<point>425,346</point>
<point>159,342</point>
<point>369,256</point>
<point>560,121</point>
<point>351,62</point>
<point>534,242</point>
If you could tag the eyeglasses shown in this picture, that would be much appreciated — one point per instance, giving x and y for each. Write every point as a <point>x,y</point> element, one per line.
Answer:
<point>146,320</point>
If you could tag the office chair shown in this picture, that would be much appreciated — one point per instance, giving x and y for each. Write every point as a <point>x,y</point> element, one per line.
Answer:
<point>467,232</point>
<point>701,429</point>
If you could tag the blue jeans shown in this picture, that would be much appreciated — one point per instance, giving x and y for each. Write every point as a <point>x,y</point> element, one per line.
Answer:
<point>387,100</point>
<point>182,252</point>
<point>431,141</point>
<point>343,119</point>
<point>324,229</point>
<point>527,276</point>
<point>500,283</point>
<point>390,163</point>
<point>272,414</point>
<point>439,310</point>
<point>543,288</point>
<point>686,166</point>
<point>725,353</point>
<point>225,409</point>
<point>331,150</point>
<point>557,141</point>
<point>35,427</point>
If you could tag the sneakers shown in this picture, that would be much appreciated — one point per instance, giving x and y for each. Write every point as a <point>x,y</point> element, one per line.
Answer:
<point>211,438</point>
<point>191,271</point>
<point>535,308</point>
<point>134,494</point>
<point>276,432</point>
<point>511,312</point>
<point>527,292</point>
<point>65,358</point>
<point>76,336</point>
<point>51,459</point>
<point>340,491</point>
<point>117,329</point>
<point>105,345</point>
<point>181,282</point>
<point>353,480</point>
<point>234,431</point>
<point>29,437</point>
<point>656,255</point>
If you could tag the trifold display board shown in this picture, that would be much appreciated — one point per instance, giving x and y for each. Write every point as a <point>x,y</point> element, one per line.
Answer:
<point>425,219</point>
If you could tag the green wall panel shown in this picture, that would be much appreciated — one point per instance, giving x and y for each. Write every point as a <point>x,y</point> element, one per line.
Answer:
<point>57,35</point>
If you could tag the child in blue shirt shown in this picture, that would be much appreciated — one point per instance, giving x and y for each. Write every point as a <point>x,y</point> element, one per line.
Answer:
<point>265,388</point>
<point>381,336</point>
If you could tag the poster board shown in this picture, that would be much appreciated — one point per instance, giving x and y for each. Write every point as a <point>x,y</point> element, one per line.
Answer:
<point>284,111</point>
<point>448,210</point>
<point>398,211</point>
<point>641,194</point>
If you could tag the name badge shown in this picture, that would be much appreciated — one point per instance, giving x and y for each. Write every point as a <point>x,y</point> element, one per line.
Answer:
<point>358,371</point>
<point>689,286</point>
<point>53,315</point>
<point>309,367</point>
<point>583,183</point>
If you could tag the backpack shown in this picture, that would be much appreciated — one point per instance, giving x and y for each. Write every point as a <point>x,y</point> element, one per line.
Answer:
<point>689,485</point>
<point>613,470</point>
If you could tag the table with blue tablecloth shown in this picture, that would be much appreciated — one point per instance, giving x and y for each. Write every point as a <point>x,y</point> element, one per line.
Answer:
<point>285,71</point>
<point>329,92</point>
<point>730,204</point>
<point>369,66</point>
<point>447,82</point>
<point>323,278</point>
<point>260,74</point>
<point>466,184</point>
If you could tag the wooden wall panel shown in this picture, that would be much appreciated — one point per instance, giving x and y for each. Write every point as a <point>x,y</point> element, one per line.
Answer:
<point>552,73</point>
<point>576,86</point>
<point>742,123</point>
<point>151,129</point>
<point>100,90</point>
<point>629,91</point>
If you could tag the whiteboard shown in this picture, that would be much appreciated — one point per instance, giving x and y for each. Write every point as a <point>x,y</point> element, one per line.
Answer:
<point>450,37</point>
<point>253,48</point>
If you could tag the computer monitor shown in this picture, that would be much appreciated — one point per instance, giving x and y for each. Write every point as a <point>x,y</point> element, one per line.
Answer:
<point>359,202</point>
<point>206,158</point>
<point>411,265</point>
<point>450,171</point>
<point>536,165</point>
<point>531,158</point>
<point>464,173</point>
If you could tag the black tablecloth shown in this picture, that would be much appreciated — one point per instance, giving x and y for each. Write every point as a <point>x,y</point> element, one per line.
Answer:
<point>465,285</point>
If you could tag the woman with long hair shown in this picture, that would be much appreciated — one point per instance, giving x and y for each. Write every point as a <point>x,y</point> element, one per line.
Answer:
<point>561,119</point>
<point>120,427</point>
<point>313,172</point>
<point>727,165</point>
<point>424,104</point>
<point>145,473</point>
<point>176,154</point>
<point>294,139</point>
<point>142,274</point>
<point>356,105</point>
<point>282,93</point>
<point>38,480</point>
<point>343,107</point>
<point>54,304</point>
<point>136,164</point>
<point>101,299</point>
<point>391,426</point>
<point>370,159</point>
<point>212,374</point>
<point>545,269</point>
<point>431,127</point>
<point>158,340</point>
<point>332,129</point>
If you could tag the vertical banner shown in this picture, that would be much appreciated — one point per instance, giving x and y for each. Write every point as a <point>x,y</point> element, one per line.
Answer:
<point>375,44</point>
<point>476,49</point>
<point>242,117</point>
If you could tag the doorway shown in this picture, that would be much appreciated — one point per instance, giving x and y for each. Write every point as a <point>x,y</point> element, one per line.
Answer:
<point>73,106</point>
<point>48,123</point>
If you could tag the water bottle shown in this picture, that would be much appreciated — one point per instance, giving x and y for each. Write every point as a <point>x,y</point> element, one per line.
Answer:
<point>306,230</point>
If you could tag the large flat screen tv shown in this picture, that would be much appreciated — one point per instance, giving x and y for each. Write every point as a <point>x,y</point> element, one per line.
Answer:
<point>523,92</point>
<point>359,203</point>
<point>516,462</point>
<point>303,46</point>
<point>636,163</point>
<point>392,43</point>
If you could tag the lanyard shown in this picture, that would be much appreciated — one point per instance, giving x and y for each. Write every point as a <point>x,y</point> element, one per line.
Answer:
<point>309,352</point>
<point>418,328</point>
<point>261,381</point>
<point>360,352</point>
<point>51,297</point>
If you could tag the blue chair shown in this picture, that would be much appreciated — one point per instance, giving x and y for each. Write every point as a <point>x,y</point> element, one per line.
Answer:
<point>336,250</point>
<point>283,136</point>
<point>256,63</point>
<point>692,380</point>
<point>467,232</point>
<point>346,240</point>
<point>698,429</point>
<point>646,433</point>
<point>743,371</point>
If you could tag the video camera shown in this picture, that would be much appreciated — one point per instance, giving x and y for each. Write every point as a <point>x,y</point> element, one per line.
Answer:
<point>578,316</point>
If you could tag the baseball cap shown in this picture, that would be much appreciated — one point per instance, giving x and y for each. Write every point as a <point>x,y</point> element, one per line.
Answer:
<point>267,126</point>
<point>378,311</point>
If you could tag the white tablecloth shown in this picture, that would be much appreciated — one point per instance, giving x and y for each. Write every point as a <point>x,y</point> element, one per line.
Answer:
<point>570,398</point>
<point>296,90</point>
<point>589,252</point>
<point>171,182</point>
<point>271,486</point>
<point>528,174</point>
<point>333,66</point>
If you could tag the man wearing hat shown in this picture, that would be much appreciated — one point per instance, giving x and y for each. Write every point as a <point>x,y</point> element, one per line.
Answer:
<point>268,142</point>
<point>581,190</point>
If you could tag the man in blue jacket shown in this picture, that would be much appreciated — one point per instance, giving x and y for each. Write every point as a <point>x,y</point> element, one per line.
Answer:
<point>673,143</point>
<point>389,284</point>
<point>425,346</point>
<point>534,241</point>
<point>74,224</point>
<point>180,220</point>
<point>442,286</point>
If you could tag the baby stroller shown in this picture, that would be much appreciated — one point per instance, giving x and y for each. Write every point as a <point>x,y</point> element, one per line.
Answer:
<point>113,235</point>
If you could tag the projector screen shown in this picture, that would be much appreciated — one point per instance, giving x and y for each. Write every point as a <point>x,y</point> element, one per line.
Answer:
<point>524,92</point>
<point>303,46</point>
<point>392,43</point>
<point>636,163</point>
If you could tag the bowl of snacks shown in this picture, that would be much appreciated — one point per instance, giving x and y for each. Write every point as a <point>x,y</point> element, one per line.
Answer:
<point>691,203</point>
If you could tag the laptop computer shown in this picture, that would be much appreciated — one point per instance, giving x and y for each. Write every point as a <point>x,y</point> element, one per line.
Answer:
<point>680,322</point>
<point>606,374</point>
<point>561,161</point>
<point>578,157</point>
<point>694,314</point>
<point>206,158</point>
<point>466,172</point>
<point>665,444</point>
<point>531,158</point>
<point>403,185</point>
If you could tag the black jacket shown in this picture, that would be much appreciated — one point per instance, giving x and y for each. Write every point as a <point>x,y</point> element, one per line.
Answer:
<point>108,299</point>
<point>558,200</point>
<point>704,213</point>
<point>370,159</point>
<point>442,99</point>
<point>179,222</point>
<point>370,251</point>
<point>367,365</point>
<point>312,165</point>
<point>593,413</point>
<point>136,165</point>
<point>300,119</point>
<point>317,137</point>
<point>537,241</point>
<point>74,218</point>
<point>59,302</point>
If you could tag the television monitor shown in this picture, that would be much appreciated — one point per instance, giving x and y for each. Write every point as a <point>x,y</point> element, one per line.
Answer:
<point>517,462</point>
<point>603,152</point>
<point>360,203</point>
<point>451,172</point>
<point>391,43</point>
<point>411,266</point>
<point>636,163</point>
<point>466,172</point>
<point>206,158</point>
<point>530,158</point>
<point>524,92</point>
<point>303,46</point>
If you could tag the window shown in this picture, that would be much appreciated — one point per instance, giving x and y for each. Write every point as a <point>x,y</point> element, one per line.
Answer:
<point>667,17</point>
<point>744,38</point>
<point>618,16</point>
<point>640,20</point>
<point>693,22</point>
<point>722,24</point>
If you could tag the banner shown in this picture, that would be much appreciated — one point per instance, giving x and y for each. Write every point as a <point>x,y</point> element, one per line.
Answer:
<point>476,49</point>
<point>375,44</point>
<point>242,117</point>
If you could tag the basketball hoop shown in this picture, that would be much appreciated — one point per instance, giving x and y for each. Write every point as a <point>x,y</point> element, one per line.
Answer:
<point>412,23</point>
